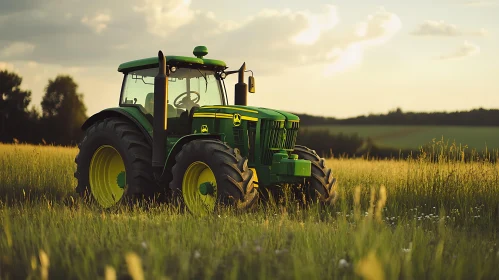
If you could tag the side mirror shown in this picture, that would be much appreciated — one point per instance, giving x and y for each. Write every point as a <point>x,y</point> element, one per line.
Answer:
<point>251,84</point>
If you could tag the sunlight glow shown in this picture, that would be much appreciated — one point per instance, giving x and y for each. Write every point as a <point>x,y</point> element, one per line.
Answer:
<point>317,24</point>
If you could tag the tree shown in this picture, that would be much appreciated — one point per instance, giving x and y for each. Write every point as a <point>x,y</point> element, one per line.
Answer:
<point>14,116</point>
<point>63,111</point>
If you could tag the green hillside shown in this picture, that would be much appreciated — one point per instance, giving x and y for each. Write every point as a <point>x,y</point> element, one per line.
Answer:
<point>412,137</point>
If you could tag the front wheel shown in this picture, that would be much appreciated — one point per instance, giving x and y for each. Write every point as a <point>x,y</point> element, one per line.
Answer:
<point>208,173</point>
<point>320,186</point>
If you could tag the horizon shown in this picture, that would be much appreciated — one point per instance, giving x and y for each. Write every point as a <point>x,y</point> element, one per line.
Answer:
<point>355,58</point>
<point>404,112</point>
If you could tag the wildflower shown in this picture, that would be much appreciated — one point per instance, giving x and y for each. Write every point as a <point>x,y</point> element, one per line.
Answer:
<point>144,244</point>
<point>407,250</point>
<point>343,263</point>
<point>197,254</point>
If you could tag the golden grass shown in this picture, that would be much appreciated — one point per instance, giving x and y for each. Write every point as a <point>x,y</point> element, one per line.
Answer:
<point>414,219</point>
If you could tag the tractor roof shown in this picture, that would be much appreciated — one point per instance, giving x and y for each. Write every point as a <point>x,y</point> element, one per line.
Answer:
<point>199,52</point>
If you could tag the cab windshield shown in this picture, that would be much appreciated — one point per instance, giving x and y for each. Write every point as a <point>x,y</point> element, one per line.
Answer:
<point>187,88</point>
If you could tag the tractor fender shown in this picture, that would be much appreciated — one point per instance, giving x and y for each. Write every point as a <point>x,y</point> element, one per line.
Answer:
<point>170,161</point>
<point>129,113</point>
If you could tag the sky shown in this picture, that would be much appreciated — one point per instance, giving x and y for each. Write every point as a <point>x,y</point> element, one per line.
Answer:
<point>333,58</point>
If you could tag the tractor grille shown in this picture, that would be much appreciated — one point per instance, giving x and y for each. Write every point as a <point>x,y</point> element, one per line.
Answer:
<point>277,135</point>
<point>238,138</point>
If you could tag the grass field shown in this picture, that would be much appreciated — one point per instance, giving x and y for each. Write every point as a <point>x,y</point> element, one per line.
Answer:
<point>412,137</point>
<point>415,219</point>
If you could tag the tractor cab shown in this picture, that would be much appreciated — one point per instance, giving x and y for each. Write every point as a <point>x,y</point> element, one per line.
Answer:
<point>188,89</point>
<point>192,83</point>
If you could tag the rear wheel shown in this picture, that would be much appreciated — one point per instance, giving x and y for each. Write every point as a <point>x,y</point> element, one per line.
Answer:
<point>320,186</point>
<point>208,173</point>
<point>114,163</point>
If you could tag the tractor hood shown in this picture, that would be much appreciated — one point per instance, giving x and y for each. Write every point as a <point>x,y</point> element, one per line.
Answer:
<point>246,113</point>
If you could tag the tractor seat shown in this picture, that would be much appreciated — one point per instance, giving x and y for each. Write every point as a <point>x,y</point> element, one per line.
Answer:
<point>149,103</point>
<point>188,113</point>
<point>172,111</point>
<point>149,106</point>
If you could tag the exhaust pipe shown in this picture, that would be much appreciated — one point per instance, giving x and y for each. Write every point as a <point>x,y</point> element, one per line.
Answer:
<point>241,89</point>
<point>160,117</point>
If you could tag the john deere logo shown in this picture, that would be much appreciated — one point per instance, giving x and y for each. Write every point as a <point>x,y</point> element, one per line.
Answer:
<point>204,128</point>
<point>237,120</point>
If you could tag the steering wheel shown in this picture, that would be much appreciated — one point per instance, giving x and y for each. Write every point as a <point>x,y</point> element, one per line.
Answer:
<point>186,101</point>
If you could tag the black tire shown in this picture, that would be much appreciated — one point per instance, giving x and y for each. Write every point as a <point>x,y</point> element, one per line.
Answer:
<point>320,186</point>
<point>234,180</point>
<point>134,150</point>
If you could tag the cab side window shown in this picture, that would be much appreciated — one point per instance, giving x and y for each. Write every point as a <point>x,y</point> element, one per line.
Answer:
<point>139,90</point>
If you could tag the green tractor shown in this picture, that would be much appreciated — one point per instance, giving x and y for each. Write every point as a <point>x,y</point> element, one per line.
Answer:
<point>175,134</point>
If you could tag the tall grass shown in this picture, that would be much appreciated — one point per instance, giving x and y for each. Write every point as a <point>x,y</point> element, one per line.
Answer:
<point>414,219</point>
<point>36,171</point>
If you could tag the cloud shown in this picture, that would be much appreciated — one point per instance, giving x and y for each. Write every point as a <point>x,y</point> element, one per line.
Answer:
<point>271,50</point>
<point>16,49</point>
<point>67,41</point>
<point>466,50</point>
<point>377,30</point>
<point>265,40</point>
<point>317,24</point>
<point>98,23</point>
<point>164,16</point>
<point>269,41</point>
<point>440,28</point>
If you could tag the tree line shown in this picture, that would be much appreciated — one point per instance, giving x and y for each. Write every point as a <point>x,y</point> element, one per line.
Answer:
<point>475,117</point>
<point>59,122</point>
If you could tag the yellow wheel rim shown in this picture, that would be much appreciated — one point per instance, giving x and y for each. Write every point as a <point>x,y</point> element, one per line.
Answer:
<point>196,174</point>
<point>106,167</point>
